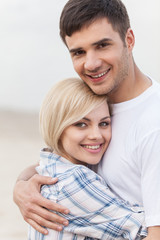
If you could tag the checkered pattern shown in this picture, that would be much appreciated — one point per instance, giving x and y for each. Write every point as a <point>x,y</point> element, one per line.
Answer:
<point>95,211</point>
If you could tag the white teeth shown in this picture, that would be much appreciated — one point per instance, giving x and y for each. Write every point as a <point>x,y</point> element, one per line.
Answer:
<point>92,147</point>
<point>100,75</point>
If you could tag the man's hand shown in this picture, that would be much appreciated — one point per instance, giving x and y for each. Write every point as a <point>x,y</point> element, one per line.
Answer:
<point>34,207</point>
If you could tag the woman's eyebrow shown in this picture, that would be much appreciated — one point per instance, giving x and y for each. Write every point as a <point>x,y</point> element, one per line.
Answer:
<point>87,119</point>
<point>105,118</point>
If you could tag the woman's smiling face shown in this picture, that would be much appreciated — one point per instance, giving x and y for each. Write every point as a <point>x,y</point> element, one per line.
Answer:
<point>85,141</point>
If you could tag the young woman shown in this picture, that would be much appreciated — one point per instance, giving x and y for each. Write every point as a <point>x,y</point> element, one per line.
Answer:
<point>76,126</point>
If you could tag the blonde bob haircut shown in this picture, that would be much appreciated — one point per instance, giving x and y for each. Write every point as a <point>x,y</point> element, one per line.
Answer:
<point>67,102</point>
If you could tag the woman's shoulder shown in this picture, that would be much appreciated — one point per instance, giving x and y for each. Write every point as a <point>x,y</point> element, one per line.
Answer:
<point>47,163</point>
<point>71,177</point>
<point>54,165</point>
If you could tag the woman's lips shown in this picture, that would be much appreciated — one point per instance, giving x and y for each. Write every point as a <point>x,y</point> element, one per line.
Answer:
<point>96,148</point>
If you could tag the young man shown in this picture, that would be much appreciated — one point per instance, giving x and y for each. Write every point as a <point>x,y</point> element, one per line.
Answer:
<point>98,36</point>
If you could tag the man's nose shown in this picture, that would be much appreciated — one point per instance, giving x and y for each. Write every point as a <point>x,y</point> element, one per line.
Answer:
<point>92,62</point>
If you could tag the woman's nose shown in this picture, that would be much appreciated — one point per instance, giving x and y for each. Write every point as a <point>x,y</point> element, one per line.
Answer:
<point>94,133</point>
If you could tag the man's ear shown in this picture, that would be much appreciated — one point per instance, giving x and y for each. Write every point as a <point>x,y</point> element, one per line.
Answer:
<point>130,39</point>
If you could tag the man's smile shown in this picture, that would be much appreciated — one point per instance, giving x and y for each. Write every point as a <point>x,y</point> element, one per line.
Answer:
<point>99,75</point>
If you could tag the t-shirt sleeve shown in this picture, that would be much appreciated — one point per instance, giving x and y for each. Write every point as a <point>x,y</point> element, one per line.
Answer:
<point>148,156</point>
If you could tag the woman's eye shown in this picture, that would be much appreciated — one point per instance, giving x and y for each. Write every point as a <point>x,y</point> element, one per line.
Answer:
<point>104,124</point>
<point>81,125</point>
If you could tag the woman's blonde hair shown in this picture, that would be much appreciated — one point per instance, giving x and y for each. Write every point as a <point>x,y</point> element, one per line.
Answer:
<point>67,102</point>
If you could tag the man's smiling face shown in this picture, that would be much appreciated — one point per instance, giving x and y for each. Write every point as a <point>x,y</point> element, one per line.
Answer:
<point>99,56</point>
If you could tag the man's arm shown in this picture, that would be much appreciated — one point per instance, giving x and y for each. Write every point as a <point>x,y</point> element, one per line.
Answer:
<point>33,206</point>
<point>27,173</point>
<point>94,209</point>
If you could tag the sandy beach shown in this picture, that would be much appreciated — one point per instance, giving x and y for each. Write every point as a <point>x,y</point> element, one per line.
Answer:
<point>20,143</point>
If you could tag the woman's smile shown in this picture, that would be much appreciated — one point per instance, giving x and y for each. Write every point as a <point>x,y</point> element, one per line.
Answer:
<point>86,140</point>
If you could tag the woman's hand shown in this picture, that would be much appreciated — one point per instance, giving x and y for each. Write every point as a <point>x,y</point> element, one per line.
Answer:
<point>34,207</point>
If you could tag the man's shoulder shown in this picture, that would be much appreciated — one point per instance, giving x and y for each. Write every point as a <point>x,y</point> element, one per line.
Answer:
<point>155,88</point>
<point>151,103</point>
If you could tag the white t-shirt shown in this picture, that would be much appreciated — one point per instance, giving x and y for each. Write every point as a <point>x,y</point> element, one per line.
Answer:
<point>131,164</point>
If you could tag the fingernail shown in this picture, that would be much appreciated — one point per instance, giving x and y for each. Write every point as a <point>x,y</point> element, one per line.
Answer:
<point>45,232</point>
<point>54,179</point>
<point>59,228</point>
<point>66,211</point>
<point>65,223</point>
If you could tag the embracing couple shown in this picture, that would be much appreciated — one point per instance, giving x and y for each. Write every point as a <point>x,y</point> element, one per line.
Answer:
<point>85,197</point>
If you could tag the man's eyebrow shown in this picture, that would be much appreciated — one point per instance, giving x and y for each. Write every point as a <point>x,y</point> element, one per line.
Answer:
<point>102,41</point>
<point>87,119</point>
<point>73,50</point>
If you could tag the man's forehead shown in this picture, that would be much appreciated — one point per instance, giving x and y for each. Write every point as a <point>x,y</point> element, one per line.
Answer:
<point>91,34</point>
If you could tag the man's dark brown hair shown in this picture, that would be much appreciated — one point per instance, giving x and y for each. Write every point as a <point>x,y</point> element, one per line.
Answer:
<point>79,13</point>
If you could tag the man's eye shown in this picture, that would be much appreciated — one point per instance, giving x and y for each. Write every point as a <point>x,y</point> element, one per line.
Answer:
<point>78,53</point>
<point>80,125</point>
<point>103,45</point>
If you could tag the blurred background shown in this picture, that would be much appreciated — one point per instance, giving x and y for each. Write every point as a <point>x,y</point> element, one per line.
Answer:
<point>32,59</point>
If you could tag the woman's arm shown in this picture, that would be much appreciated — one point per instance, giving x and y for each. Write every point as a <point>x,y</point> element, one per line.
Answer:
<point>33,206</point>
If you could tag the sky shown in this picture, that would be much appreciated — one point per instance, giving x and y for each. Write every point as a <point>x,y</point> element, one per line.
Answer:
<point>33,57</point>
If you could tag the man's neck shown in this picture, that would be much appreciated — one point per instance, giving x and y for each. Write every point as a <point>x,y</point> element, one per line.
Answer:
<point>132,87</point>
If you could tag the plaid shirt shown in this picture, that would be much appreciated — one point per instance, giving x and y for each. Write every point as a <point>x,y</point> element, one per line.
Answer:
<point>95,212</point>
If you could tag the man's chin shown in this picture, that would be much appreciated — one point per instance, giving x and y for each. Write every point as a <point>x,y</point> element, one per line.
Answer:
<point>100,90</point>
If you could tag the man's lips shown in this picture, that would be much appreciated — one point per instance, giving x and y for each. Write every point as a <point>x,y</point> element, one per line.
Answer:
<point>99,75</point>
